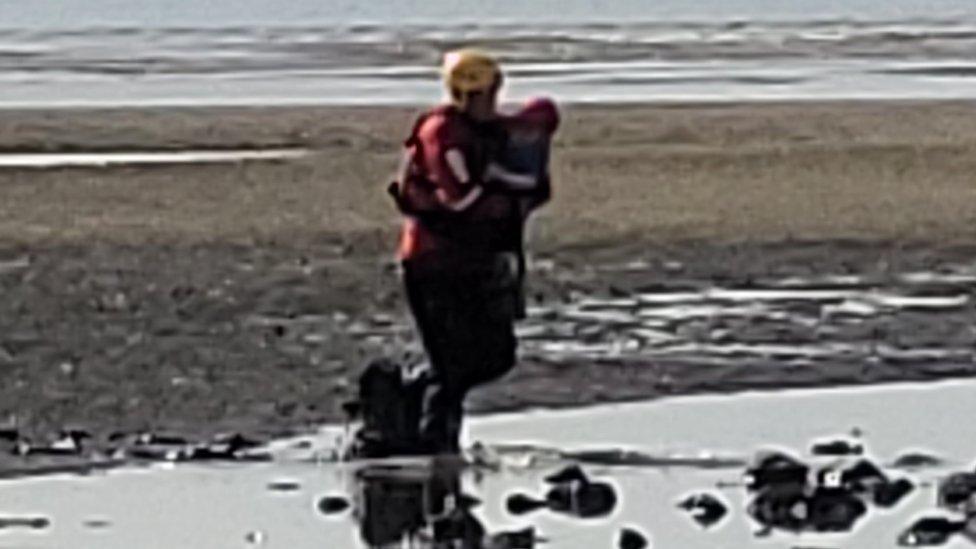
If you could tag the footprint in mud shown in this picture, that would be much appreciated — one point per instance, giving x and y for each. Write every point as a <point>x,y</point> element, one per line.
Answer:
<point>572,493</point>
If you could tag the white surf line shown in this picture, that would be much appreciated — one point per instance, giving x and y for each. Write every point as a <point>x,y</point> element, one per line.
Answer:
<point>102,159</point>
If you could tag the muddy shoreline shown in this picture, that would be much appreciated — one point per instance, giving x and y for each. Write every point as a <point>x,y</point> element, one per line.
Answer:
<point>202,340</point>
<point>243,298</point>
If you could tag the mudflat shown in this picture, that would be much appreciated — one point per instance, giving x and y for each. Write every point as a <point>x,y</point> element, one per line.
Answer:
<point>244,297</point>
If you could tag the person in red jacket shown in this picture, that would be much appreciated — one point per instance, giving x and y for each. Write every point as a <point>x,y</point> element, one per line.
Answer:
<point>460,246</point>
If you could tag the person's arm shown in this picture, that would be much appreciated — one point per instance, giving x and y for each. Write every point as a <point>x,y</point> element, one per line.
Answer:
<point>509,180</point>
<point>462,192</point>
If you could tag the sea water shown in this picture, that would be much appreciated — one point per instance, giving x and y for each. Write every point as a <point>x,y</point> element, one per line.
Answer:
<point>162,52</point>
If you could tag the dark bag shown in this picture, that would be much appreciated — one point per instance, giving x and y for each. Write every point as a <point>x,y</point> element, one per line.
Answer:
<point>391,403</point>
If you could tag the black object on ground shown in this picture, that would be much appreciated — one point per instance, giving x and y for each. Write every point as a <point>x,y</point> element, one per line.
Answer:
<point>775,468</point>
<point>519,504</point>
<point>787,498</point>
<point>33,523</point>
<point>863,476</point>
<point>781,506</point>
<point>913,460</point>
<point>834,510</point>
<point>836,448</point>
<point>706,509</point>
<point>956,490</point>
<point>390,403</point>
<point>69,443</point>
<point>890,494</point>
<point>331,505</point>
<point>630,538</point>
<point>572,493</point>
<point>930,531</point>
<point>519,539</point>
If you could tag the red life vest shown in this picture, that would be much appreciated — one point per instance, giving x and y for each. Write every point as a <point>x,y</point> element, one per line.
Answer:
<point>429,227</point>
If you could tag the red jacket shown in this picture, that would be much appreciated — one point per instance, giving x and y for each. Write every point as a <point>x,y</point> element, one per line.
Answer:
<point>484,218</point>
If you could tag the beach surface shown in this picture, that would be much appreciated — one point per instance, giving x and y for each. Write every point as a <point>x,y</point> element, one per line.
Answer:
<point>245,297</point>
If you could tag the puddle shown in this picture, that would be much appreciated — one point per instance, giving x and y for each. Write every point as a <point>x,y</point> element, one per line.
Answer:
<point>911,318</point>
<point>824,318</point>
<point>102,159</point>
<point>651,461</point>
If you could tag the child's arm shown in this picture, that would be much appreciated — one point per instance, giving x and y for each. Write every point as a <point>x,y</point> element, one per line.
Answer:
<point>509,180</point>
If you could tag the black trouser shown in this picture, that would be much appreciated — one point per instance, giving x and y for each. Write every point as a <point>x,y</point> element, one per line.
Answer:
<point>465,311</point>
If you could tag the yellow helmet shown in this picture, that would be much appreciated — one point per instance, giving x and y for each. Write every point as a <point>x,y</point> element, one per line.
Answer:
<point>471,70</point>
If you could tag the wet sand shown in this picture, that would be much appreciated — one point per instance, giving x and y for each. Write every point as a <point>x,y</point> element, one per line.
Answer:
<point>244,297</point>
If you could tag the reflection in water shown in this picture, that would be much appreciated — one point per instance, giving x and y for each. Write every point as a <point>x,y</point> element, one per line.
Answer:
<point>422,504</point>
<point>797,495</point>
<point>424,507</point>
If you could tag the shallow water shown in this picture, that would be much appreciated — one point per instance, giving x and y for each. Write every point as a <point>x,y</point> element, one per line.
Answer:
<point>184,13</point>
<point>196,506</point>
<point>906,52</point>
